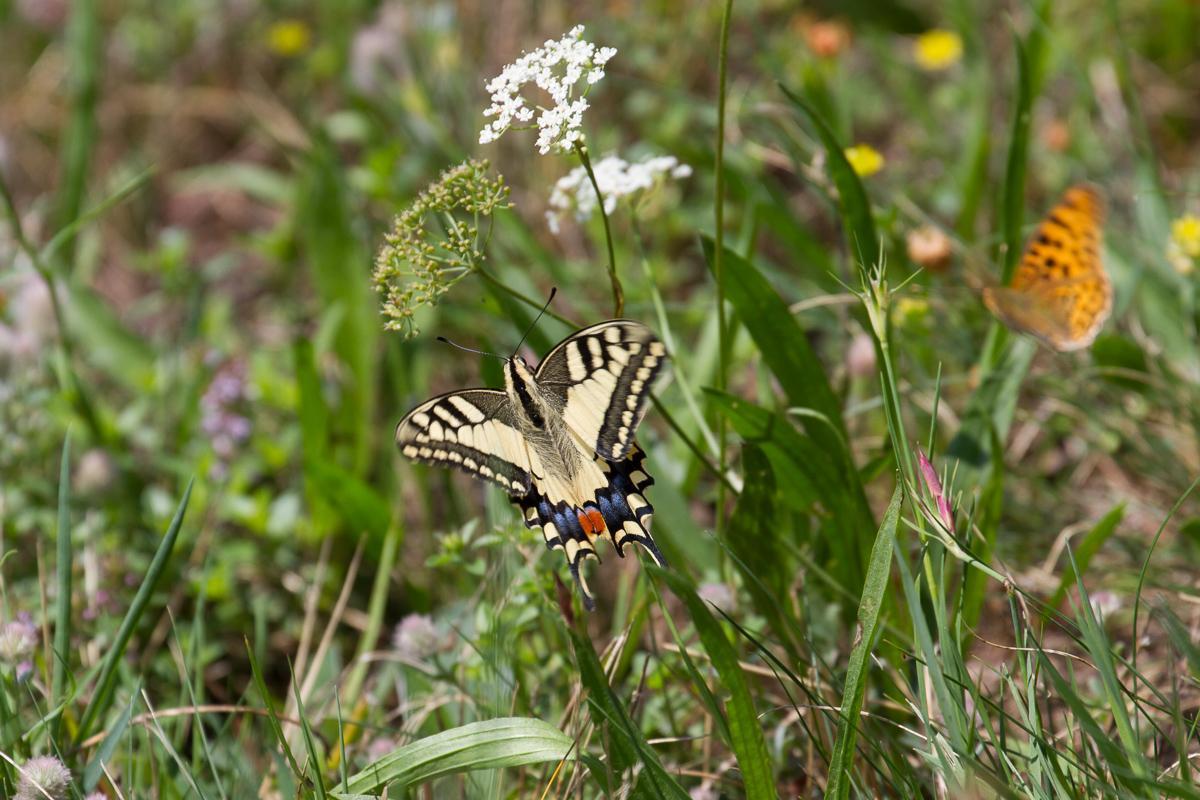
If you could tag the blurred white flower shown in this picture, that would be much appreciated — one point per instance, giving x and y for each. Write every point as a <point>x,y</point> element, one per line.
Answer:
<point>42,777</point>
<point>32,308</point>
<point>31,319</point>
<point>860,356</point>
<point>378,50</point>
<point>557,67</point>
<point>416,637</point>
<point>616,177</point>
<point>17,640</point>
<point>1104,604</point>
<point>379,747</point>
<point>95,472</point>
<point>719,594</point>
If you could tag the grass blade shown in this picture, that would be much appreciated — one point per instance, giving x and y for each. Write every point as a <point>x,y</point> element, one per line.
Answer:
<point>102,696</point>
<point>108,746</point>
<point>62,606</point>
<point>272,714</point>
<point>1088,547</point>
<point>855,688</point>
<point>745,733</point>
<point>310,745</point>
<point>491,744</point>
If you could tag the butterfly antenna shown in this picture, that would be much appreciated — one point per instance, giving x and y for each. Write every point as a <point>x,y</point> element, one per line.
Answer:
<point>549,300</point>
<point>468,349</point>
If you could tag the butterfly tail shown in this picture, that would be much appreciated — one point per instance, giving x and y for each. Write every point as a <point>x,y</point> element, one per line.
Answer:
<point>627,513</point>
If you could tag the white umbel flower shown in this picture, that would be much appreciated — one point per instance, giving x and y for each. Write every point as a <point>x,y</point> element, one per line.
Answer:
<point>557,68</point>
<point>617,179</point>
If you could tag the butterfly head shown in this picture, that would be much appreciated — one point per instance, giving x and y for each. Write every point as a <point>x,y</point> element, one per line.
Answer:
<point>522,390</point>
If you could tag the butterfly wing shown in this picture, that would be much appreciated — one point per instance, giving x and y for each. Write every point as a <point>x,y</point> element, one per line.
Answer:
<point>602,376</point>
<point>474,431</point>
<point>1060,291</point>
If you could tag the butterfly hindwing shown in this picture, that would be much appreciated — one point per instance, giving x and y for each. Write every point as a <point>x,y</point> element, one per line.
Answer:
<point>620,508</point>
<point>1060,291</point>
<point>474,431</point>
<point>602,376</point>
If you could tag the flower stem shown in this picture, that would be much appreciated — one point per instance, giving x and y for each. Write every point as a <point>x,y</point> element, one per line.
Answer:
<point>68,377</point>
<point>719,251</point>
<point>617,292</point>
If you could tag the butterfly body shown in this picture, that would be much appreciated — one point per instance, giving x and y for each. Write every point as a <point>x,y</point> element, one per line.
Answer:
<point>1060,292</point>
<point>559,439</point>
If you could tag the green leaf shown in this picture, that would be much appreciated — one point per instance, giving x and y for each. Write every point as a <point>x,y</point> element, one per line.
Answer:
<point>1117,356</point>
<point>102,694</point>
<point>754,539</point>
<point>492,744</point>
<point>108,745</point>
<point>809,472</point>
<point>842,760</point>
<point>361,508</point>
<point>857,220</point>
<point>341,273</point>
<point>1013,208</point>
<point>745,732</point>
<point>783,345</point>
<point>990,412</point>
<point>1088,547</point>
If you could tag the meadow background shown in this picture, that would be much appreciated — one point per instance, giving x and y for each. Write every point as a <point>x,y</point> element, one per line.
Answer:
<point>218,578</point>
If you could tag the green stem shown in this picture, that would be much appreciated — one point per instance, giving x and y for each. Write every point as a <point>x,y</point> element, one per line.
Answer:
<point>719,250</point>
<point>68,378</point>
<point>617,292</point>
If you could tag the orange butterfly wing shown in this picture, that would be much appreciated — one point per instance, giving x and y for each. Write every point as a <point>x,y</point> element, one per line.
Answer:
<point>1060,292</point>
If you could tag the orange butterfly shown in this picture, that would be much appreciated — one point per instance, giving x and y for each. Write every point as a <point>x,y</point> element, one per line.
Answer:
<point>1060,292</point>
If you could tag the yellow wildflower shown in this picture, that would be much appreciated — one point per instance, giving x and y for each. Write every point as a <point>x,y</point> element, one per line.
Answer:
<point>1185,232</point>
<point>289,37</point>
<point>938,49</point>
<point>864,159</point>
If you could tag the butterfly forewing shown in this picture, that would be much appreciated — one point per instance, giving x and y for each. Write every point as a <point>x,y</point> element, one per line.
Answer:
<point>473,430</point>
<point>602,376</point>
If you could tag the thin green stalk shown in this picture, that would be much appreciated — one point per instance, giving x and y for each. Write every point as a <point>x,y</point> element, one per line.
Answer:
<point>62,614</point>
<point>719,251</point>
<point>617,292</point>
<point>375,609</point>
<point>84,51</point>
<point>68,378</point>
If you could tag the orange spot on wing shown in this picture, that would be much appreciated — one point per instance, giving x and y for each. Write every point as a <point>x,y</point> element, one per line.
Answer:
<point>591,520</point>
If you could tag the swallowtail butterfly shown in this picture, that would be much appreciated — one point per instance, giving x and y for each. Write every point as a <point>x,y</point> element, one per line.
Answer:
<point>559,439</point>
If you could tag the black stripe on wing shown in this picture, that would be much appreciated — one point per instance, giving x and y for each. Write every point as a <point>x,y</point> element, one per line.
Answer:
<point>473,431</point>
<point>602,377</point>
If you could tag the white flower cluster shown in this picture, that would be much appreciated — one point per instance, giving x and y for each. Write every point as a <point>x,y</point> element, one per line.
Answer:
<point>556,68</point>
<point>616,177</point>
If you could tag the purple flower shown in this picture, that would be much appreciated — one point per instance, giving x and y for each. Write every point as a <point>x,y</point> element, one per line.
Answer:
<point>934,485</point>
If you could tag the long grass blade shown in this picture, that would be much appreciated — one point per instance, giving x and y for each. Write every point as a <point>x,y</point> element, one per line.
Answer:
<point>102,695</point>
<point>855,688</point>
